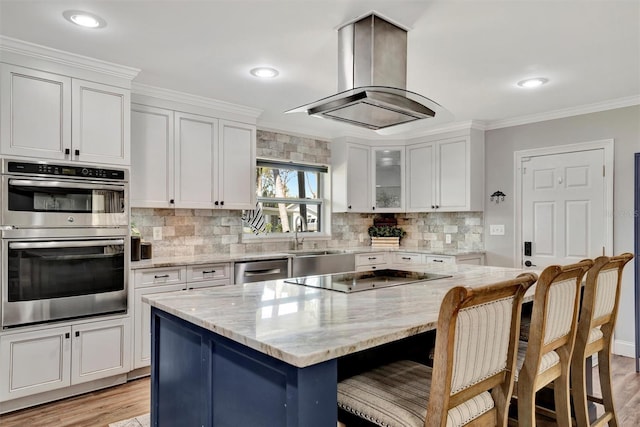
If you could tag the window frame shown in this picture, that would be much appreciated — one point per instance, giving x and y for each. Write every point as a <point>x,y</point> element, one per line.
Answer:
<point>323,200</point>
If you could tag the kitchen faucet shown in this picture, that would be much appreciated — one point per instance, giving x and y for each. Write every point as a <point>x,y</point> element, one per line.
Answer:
<point>297,227</point>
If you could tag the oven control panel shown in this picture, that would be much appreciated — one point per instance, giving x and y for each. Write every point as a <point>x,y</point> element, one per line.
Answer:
<point>65,170</point>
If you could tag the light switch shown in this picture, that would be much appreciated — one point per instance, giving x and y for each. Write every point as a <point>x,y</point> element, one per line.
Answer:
<point>496,230</point>
<point>447,238</point>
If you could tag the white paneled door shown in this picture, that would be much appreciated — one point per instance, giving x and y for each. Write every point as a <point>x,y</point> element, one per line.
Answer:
<point>563,207</point>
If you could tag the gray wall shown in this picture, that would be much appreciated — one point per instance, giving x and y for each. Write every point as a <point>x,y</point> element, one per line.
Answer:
<point>623,126</point>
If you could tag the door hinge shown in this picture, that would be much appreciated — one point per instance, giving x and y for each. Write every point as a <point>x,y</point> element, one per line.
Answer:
<point>603,170</point>
<point>603,251</point>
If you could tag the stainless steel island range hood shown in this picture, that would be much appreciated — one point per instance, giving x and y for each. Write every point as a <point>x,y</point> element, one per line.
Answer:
<point>372,63</point>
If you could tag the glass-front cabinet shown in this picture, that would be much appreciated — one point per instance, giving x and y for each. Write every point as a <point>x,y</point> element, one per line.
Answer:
<point>388,179</point>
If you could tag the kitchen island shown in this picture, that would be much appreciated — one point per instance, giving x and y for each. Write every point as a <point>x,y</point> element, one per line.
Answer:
<point>266,353</point>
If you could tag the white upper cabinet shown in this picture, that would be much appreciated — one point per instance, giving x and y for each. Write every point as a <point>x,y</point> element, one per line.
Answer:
<point>351,176</point>
<point>36,112</point>
<point>366,178</point>
<point>152,177</point>
<point>55,117</point>
<point>100,129</point>
<point>421,174</point>
<point>446,175</point>
<point>236,168</point>
<point>196,156</point>
<point>388,179</point>
<point>191,161</point>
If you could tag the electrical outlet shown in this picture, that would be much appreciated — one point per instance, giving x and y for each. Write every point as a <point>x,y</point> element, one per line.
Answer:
<point>157,233</point>
<point>447,238</point>
<point>496,230</point>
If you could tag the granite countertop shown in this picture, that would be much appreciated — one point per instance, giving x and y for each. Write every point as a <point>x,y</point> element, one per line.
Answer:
<point>215,258</point>
<point>304,326</point>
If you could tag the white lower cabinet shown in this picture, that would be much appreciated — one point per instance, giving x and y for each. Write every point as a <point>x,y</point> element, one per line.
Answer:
<point>142,323</point>
<point>371,261</point>
<point>167,279</point>
<point>100,350</point>
<point>40,361</point>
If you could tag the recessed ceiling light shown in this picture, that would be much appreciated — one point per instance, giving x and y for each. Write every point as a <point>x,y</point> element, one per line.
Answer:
<point>84,19</point>
<point>534,82</point>
<point>264,72</point>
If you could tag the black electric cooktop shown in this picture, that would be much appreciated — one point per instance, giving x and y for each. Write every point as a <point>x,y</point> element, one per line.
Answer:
<point>364,281</point>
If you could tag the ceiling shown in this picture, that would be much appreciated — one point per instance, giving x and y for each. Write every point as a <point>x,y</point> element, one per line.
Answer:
<point>465,55</point>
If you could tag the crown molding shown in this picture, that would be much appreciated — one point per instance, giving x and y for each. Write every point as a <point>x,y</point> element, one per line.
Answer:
<point>10,46</point>
<point>565,112</point>
<point>194,100</point>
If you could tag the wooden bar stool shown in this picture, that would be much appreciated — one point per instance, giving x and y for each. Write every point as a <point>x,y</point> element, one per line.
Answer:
<point>598,314</point>
<point>472,377</point>
<point>545,358</point>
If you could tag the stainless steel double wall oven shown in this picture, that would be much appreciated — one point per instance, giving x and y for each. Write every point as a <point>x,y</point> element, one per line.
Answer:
<point>65,246</point>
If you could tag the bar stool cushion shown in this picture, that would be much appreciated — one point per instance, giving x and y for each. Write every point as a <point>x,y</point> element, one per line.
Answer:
<point>397,395</point>
<point>549,360</point>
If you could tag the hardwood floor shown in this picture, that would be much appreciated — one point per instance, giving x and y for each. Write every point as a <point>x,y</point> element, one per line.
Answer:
<point>99,408</point>
<point>95,409</point>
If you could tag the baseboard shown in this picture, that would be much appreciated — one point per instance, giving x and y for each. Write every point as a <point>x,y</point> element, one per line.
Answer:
<point>624,348</point>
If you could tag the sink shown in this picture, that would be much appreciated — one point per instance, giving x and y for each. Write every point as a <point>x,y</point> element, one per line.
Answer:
<point>314,262</point>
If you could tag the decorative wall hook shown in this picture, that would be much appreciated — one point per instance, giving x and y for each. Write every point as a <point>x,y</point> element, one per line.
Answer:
<point>497,196</point>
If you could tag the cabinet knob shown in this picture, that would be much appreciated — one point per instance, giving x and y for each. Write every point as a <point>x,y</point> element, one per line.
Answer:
<point>433,206</point>
<point>67,151</point>
<point>437,207</point>
<point>222,203</point>
<point>373,208</point>
<point>67,335</point>
<point>216,203</point>
<point>77,152</point>
<point>349,207</point>
<point>172,201</point>
<point>77,333</point>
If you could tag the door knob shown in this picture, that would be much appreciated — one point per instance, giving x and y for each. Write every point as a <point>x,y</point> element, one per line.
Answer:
<point>528,263</point>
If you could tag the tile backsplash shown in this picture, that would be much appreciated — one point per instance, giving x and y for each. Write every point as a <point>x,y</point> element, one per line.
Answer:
<point>207,231</point>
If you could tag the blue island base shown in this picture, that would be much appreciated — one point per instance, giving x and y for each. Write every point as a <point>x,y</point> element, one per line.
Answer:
<point>199,378</point>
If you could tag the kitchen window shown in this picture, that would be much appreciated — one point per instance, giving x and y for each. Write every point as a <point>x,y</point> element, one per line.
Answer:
<point>289,196</point>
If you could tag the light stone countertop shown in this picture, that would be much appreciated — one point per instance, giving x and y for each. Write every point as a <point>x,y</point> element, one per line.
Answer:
<point>208,259</point>
<point>304,326</point>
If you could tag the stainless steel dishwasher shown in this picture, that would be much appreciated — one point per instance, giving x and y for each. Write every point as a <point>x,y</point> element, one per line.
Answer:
<point>258,271</point>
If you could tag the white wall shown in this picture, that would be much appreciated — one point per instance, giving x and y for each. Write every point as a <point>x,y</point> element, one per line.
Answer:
<point>623,126</point>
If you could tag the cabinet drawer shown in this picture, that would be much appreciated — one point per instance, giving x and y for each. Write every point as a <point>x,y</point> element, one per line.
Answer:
<point>207,284</point>
<point>160,276</point>
<point>407,258</point>
<point>198,273</point>
<point>374,258</point>
<point>440,259</point>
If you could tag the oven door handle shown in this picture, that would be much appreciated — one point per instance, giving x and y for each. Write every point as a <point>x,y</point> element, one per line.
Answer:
<point>63,184</point>
<point>63,244</point>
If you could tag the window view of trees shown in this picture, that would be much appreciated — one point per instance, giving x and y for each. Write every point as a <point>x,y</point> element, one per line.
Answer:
<point>286,194</point>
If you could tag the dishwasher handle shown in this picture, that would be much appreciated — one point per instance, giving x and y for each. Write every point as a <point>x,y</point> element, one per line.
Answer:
<point>252,273</point>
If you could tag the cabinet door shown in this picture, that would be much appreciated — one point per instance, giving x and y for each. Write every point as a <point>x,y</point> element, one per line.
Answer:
<point>100,123</point>
<point>388,179</point>
<point>100,349</point>
<point>142,323</point>
<point>453,175</point>
<point>420,177</point>
<point>358,179</point>
<point>151,157</point>
<point>35,118</point>
<point>195,157</point>
<point>34,362</point>
<point>236,166</point>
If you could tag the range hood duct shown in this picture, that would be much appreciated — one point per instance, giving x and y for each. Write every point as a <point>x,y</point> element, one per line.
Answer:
<point>372,79</point>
